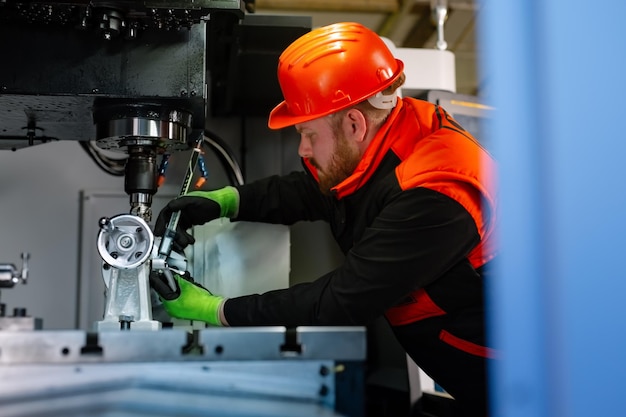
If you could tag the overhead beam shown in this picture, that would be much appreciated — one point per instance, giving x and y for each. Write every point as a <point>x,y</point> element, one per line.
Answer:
<point>423,29</point>
<point>397,25</point>
<point>451,4</point>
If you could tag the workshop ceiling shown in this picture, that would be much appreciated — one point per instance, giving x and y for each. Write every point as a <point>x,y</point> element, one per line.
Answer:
<point>408,23</point>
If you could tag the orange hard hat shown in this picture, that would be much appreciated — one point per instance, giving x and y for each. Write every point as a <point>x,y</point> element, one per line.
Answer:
<point>329,69</point>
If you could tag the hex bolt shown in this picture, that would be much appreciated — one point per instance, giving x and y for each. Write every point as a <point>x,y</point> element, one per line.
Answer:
<point>125,321</point>
<point>126,242</point>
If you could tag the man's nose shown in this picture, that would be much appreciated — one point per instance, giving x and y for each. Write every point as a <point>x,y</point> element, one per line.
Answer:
<point>304,150</point>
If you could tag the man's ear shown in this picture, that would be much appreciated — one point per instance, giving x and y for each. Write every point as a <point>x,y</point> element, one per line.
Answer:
<point>355,125</point>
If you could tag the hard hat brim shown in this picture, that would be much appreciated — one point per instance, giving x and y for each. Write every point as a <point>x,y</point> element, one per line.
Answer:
<point>280,117</point>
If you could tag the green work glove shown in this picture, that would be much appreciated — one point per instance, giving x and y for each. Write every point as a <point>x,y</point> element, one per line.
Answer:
<point>189,300</point>
<point>196,208</point>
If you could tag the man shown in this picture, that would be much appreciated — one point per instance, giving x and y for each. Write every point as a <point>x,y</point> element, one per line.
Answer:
<point>408,196</point>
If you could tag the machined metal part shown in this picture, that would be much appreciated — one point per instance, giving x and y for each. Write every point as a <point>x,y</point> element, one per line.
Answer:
<point>128,305</point>
<point>130,252</point>
<point>124,241</point>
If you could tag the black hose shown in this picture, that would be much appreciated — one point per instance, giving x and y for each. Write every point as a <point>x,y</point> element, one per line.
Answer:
<point>226,157</point>
<point>111,166</point>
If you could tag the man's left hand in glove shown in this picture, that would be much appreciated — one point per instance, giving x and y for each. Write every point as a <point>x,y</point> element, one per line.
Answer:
<point>189,300</point>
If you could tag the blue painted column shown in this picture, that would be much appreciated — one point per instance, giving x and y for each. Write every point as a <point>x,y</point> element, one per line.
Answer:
<point>555,71</point>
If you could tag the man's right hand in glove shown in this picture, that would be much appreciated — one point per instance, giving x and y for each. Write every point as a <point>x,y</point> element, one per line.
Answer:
<point>196,208</point>
<point>189,300</point>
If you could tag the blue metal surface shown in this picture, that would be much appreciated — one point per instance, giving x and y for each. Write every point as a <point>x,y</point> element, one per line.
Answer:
<point>239,372</point>
<point>555,73</point>
<point>190,389</point>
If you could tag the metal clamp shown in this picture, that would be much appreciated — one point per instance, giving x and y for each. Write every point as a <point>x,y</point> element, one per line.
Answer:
<point>9,274</point>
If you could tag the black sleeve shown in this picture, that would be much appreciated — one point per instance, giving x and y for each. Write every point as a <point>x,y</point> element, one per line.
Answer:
<point>282,200</point>
<point>415,240</point>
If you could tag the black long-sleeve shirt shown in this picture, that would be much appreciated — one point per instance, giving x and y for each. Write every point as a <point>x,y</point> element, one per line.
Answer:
<point>412,240</point>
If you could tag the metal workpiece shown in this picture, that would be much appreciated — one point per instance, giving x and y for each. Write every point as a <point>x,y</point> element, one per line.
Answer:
<point>124,241</point>
<point>130,252</point>
<point>125,244</point>
<point>128,305</point>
